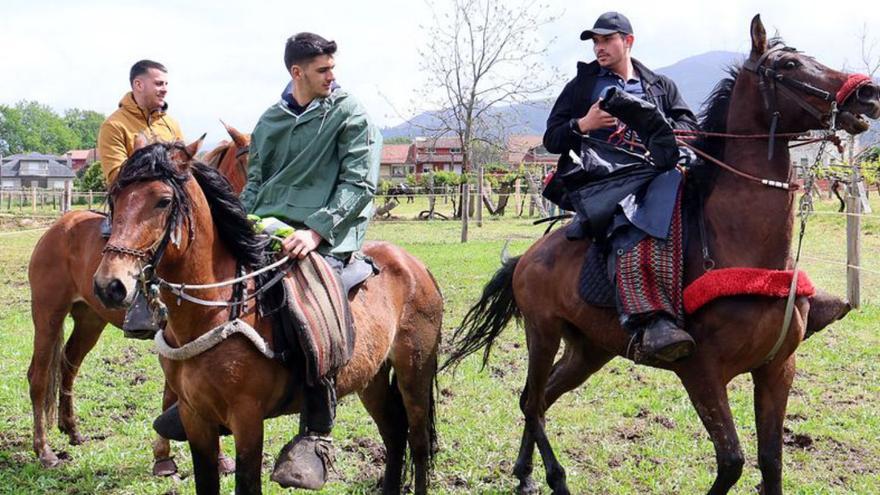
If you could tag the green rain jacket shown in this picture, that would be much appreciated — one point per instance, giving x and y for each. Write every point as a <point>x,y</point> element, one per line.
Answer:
<point>317,170</point>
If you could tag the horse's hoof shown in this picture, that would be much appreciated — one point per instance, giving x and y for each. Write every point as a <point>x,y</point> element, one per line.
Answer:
<point>165,467</point>
<point>527,487</point>
<point>48,459</point>
<point>77,439</point>
<point>226,464</point>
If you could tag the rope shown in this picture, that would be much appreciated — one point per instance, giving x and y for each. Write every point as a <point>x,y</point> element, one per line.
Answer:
<point>210,340</point>
<point>180,287</point>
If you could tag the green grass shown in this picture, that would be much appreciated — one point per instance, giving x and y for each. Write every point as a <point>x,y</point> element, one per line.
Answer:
<point>629,429</point>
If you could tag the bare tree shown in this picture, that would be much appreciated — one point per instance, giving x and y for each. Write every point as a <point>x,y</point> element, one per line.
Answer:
<point>481,54</point>
<point>870,58</point>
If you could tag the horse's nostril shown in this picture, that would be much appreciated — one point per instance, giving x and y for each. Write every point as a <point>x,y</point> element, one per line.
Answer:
<point>116,291</point>
<point>868,93</point>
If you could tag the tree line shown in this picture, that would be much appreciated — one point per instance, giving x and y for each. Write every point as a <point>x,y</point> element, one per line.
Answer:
<point>30,126</point>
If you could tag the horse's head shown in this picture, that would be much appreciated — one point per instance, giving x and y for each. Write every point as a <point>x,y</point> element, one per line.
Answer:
<point>798,94</point>
<point>231,158</point>
<point>150,209</point>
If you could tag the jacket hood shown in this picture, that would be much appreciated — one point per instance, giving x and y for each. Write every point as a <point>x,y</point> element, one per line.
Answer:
<point>334,91</point>
<point>130,105</point>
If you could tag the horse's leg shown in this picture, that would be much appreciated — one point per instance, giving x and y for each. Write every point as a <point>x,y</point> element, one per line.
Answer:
<point>577,363</point>
<point>415,370</point>
<point>87,327</point>
<point>163,461</point>
<point>386,408</point>
<point>203,440</point>
<point>772,385</point>
<point>43,373</point>
<point>542,350</point>
<point>709,397</point>
<point>247,429</point>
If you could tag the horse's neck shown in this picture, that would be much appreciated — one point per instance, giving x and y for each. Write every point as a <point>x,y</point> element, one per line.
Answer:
<point>203,260</point>
<point>751,224</point>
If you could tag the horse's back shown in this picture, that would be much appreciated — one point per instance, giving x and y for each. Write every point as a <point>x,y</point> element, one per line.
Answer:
<point>396,312</point>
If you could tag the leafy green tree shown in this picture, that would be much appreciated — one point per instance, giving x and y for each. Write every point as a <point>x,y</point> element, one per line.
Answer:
<point>85,124</point>
<point>31,126</point>
<point>398,140</point>
<point>91,180</point>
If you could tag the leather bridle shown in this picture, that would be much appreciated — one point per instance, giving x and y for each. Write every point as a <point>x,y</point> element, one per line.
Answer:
<point>772,82</point>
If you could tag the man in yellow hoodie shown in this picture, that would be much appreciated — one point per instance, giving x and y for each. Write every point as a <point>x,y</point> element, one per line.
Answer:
<point>141,111</point>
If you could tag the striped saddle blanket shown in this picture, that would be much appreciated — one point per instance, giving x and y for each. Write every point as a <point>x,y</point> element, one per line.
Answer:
<point>318,306</point>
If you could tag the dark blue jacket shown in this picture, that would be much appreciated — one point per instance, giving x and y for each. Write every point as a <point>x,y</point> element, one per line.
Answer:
<point>646,204</point>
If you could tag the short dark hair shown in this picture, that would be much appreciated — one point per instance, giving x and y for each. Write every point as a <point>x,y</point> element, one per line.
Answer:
<point>302,47</point>
<point>141,67</point>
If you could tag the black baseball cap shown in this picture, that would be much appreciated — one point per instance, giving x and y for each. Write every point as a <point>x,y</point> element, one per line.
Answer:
<point>608,23</point>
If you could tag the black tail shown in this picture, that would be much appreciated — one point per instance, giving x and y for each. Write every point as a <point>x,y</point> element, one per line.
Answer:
<point>485,320</point>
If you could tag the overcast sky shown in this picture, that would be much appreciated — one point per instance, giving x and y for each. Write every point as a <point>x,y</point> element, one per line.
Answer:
<point>225,58</point>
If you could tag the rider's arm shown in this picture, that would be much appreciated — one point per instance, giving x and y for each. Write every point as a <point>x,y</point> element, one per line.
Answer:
<point>560,136</point>
<point>254,173</point>
<point>677,111</point>
<point>111,150</point>
<point>359,148</point>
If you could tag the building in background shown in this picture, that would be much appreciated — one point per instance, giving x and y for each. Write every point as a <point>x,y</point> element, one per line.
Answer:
<point>438,154</point>
<point>36,170</point>
<point>80,159</point>
<point>398,161</point>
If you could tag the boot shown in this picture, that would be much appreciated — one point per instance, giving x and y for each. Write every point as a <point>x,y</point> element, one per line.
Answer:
<point>304,462</point>
<point>647,121</point>
<point>169,425</point>
<point>663,340</point>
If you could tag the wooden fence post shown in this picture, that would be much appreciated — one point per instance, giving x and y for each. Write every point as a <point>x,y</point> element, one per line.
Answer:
<point>853,233</point>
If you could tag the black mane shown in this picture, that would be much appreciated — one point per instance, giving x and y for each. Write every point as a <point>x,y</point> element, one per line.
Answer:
<point>154,162</point>
<point>713,118</point>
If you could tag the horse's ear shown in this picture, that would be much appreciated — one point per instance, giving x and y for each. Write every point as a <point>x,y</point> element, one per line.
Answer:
<point>193,148</point>
<point>240,139</point>
<point>140,141</point>
<point>759,37</point>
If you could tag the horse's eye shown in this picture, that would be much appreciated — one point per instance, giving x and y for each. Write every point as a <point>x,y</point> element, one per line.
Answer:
<point>791,64</point>
<point>163,203</point>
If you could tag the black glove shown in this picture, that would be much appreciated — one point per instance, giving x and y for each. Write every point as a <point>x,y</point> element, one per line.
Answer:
<point>647,121</point>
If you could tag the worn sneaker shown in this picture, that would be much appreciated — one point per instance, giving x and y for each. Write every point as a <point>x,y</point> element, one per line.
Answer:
<point>304,462</point>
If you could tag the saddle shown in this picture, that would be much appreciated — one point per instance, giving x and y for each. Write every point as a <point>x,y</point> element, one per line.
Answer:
<point>314,324</point>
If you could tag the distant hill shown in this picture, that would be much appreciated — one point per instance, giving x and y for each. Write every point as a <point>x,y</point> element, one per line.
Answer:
<point>695,77</point>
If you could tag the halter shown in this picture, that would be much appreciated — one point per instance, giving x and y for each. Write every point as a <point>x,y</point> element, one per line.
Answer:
<point>771,82</point>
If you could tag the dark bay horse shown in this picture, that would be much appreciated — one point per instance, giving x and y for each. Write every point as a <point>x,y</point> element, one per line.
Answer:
<point>747,225</point>
<point>60,274</point>
<point>397,317</point>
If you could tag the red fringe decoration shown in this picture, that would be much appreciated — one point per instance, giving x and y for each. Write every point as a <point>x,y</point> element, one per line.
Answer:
<point>743,281</point>
<point>854,82</point>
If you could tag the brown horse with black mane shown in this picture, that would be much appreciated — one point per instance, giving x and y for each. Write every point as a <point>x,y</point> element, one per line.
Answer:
<point>747,225</point>
<point>397,318</point>
<point>60,275</point>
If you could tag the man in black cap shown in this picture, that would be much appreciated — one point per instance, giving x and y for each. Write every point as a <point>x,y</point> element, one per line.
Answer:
<point>612,125</point>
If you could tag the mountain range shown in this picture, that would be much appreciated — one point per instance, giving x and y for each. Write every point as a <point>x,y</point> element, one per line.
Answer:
<point>695,77</point>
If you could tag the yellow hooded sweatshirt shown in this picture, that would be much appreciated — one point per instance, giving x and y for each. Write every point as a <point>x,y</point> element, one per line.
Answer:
<point>117,133</point>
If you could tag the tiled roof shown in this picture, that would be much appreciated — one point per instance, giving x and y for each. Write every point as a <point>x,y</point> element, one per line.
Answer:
<point>395,154</point>
<point>56,166</point>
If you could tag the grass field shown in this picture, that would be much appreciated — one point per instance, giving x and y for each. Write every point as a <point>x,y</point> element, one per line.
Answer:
<point>630,429</point>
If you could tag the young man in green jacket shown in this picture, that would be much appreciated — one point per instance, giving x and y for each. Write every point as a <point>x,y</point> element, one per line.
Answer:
<point>314,164</point>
